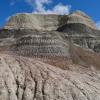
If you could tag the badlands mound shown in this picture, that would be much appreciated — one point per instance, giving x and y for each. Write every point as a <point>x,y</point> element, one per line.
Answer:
<point>50,57</point>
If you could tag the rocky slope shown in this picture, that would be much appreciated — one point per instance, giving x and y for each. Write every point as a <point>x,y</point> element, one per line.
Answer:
<point>26,21</point>
<point>30,79</point>
<point>80,26</point>
<point>47,22</point>
<point>50,57</point>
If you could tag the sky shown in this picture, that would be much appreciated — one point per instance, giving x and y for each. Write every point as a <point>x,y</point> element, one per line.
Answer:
<point>11,7</point>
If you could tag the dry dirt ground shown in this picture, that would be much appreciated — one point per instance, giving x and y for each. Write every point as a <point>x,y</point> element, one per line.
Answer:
<point>30,79</point>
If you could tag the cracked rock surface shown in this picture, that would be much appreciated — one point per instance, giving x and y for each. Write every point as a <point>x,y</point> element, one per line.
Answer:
<point>28,79</point>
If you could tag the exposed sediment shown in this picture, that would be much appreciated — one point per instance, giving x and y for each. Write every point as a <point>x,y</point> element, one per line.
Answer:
<point>28,79</point>
<point>50,57</point>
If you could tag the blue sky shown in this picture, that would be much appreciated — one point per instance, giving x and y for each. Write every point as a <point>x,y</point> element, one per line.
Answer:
<point>11,7</point>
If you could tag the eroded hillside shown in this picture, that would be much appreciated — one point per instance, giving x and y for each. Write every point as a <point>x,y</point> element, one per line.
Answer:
<point>50,57</point>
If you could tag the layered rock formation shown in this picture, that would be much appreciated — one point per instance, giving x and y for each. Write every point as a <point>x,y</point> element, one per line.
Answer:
<point>50,57</point>
<point>80,26</point>
<point>47,22</point>
<point>33,21</point>
<point>82,18</point>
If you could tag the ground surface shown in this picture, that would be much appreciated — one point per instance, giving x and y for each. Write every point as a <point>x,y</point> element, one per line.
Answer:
<point>28,79</point>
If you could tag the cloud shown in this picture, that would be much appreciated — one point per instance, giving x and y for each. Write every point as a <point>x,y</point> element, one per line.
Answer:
<point>98,25</point>
<point>39,6</point>
<point>59,9</point>
<point>41,9</point>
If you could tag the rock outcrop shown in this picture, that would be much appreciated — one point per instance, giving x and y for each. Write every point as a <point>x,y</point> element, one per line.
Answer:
<point>82,18</point>
<point>50,57</point>
<point>47,22</point>
<point>33,21</point>
<point>80,26</point>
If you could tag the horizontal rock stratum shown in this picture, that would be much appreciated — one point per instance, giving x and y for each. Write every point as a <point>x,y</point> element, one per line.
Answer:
<point>47,22</point>
<point>50,57</point>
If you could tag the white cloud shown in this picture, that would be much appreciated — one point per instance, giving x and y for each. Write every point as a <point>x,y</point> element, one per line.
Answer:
<point>39,7</point>
<point>59,9</point>
<point>98,25</point>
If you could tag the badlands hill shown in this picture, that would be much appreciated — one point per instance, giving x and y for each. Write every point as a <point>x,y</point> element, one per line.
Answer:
<point>50,57</point>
